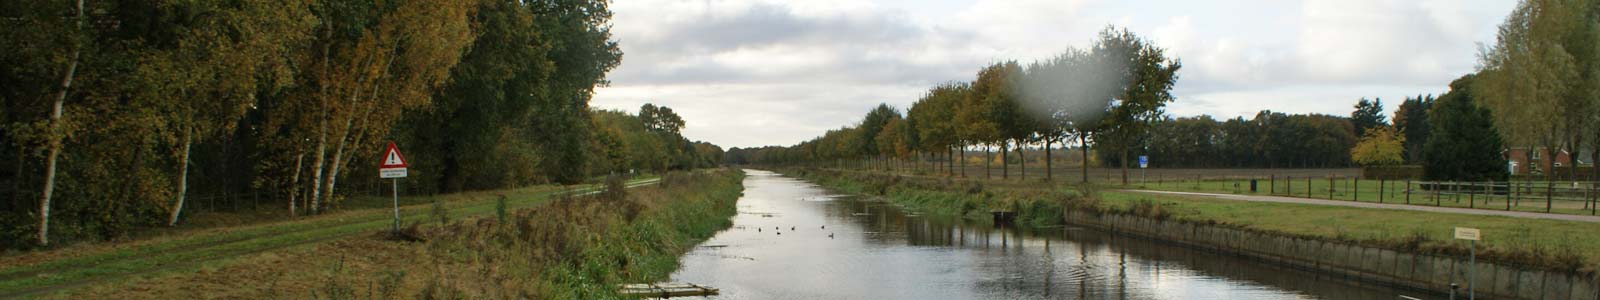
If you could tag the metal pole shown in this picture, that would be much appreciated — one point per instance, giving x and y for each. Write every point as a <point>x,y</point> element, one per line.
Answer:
<point>1472,259</point>
<point>396,204</point>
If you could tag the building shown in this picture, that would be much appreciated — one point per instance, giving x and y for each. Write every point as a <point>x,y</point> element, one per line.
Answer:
<point>1520,162</point>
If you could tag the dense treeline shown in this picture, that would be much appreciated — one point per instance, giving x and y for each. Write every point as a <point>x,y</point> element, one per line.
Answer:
<point>1269,140</point>
<point>114,111</point>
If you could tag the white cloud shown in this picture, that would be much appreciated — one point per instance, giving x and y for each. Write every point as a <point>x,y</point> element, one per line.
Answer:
<point>751,73</point>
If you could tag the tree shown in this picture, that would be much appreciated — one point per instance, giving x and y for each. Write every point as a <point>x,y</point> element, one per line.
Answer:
<point>1379,147</point>
<point>871,125</point>
<point>1149,78</point>
<point>1538,76</point>
<point>934,117</point>
<point>1464,143</point>
<point>1411,119</point>
<point>206,85</point>
<point>1368,114</point>
<point>54,134</point>
<point>660,119</point>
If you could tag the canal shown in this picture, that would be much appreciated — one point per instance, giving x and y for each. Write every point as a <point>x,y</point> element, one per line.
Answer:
<point>796,240</point>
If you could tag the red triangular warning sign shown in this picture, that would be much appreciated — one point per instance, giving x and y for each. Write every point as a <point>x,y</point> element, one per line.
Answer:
<point>392,158</point>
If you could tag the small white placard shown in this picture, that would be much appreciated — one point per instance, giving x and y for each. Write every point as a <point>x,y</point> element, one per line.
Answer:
<point>392,173</point>
<point>1463,233</point>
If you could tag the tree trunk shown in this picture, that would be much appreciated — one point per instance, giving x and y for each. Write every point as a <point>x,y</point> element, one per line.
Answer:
<point>1047,162</point>
<point>1005,167</point>
<point>1124,166</point>
<point>963,164</point>
<point>988,162</point>
<point>183,179</point>
<point>950,161</point>
<point>55,136</point>
<point>1022,156</point>
<point>336,161</point>
<point>1083,147</point>
<point>316,173</point>
<point>294,184</point>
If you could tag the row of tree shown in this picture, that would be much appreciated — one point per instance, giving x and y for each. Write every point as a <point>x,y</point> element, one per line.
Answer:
<point>114,111</point>
<point>1541,76</point>
<point>1107,96</point>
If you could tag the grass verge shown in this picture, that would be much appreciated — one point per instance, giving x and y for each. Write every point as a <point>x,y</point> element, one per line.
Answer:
<point>50,271</point>
<point>1548,244</point>
<point>566,248</point>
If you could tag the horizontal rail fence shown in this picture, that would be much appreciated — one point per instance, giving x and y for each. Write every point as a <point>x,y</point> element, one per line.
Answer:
<point>1567,197</point>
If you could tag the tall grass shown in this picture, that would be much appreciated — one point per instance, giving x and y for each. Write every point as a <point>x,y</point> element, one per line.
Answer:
<point>571,248</point>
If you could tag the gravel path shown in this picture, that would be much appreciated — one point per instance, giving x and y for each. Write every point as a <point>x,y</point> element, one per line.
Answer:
<point>1455,210</point>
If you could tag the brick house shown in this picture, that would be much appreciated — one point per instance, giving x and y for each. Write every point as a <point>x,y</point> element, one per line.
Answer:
<point>1519,160</point>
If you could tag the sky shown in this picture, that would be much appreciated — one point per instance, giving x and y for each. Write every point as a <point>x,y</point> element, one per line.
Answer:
<point>757,73</point>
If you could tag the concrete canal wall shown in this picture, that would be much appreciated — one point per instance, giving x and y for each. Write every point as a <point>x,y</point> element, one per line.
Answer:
<point>1417,271</point>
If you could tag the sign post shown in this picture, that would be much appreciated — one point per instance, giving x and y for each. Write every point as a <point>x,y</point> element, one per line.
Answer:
<point>1144,163</point>
<point>393,167</point>
<point>1471,235</point>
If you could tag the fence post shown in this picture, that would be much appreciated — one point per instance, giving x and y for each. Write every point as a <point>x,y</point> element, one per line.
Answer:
<point>1309,188</point>
<point>1288,185</point>
<point>1435,193</point>
<point>1381,189</point>
<point>1272,184</point>
<point>1407,190</point>
<point>1330,187</point>
<point>1355,194</point>
<point>1472,199</point>
<point>1511,189</point>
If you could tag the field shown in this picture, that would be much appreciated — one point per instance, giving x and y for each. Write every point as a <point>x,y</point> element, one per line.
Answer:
<point>1305,183</point>
<point>1530,197</point>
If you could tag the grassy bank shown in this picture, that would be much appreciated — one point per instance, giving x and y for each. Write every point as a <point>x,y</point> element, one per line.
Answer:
<point>562,248</point>
<point>1549,244</point>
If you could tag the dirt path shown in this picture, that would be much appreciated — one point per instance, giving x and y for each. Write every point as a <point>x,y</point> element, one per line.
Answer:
<point>52,276</point>
<point>1455,210</point>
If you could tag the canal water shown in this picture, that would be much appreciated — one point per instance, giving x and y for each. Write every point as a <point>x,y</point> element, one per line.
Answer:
<point>796,240</point>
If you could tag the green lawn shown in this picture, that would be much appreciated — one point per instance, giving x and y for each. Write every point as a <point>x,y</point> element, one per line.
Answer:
<point>1527,240</point>
<point>1347,189</point>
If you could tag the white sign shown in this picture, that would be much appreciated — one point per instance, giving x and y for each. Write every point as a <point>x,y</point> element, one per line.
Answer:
<point>1463,233</point>
<point>394,165</point>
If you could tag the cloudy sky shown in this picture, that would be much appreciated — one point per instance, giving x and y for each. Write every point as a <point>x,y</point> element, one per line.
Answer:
<point>755,73</point>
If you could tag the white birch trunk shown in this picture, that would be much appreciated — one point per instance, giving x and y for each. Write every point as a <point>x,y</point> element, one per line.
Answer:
<point>183,179</point>
<point>316,173</point>
<point>294,185</point>
<point>55,138</point>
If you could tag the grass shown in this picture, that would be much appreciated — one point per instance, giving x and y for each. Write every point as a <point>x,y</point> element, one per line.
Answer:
<point>45,270</point>
<point>564,248</point>
<point>1393,192</point>
<point>1550,244</point>
<point>1561,245</point>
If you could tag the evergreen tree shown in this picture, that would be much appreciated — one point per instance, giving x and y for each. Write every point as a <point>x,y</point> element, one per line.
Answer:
<point>1463,144</point>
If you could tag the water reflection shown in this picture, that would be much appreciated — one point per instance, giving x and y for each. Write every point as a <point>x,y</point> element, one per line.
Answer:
<point>780,248</point>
